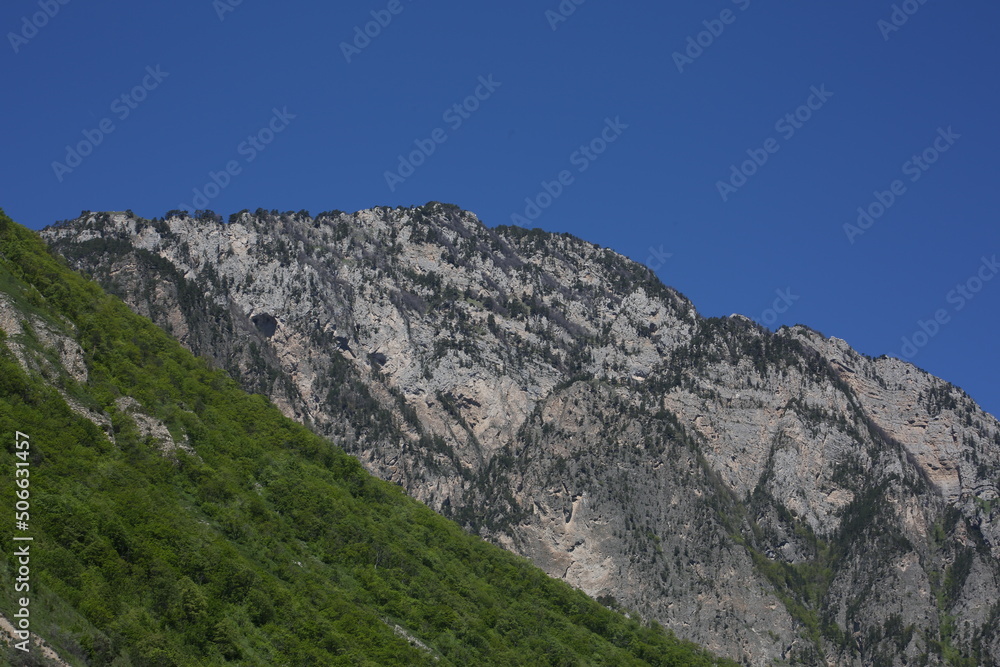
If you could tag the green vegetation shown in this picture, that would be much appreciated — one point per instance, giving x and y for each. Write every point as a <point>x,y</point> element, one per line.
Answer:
<point>268,546</point>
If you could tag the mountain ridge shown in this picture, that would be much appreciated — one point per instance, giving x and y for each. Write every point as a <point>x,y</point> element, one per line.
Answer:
<point>558,399</point>
<point>177,520</point>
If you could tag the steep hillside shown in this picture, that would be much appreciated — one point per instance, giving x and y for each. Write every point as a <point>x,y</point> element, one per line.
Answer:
<point>775,496</point>
<point>177,520</point>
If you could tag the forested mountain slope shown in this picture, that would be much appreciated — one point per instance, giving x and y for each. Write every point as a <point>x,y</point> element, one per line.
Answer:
<point>177,520</point>
<point>772,495</point>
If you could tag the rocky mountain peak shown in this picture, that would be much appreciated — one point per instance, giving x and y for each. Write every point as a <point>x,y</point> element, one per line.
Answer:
<point>776,496</point>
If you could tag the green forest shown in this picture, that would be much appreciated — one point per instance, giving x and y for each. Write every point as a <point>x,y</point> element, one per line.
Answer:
<point>258,542</point>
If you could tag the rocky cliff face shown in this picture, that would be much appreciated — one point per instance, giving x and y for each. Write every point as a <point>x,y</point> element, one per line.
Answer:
<point>776,497</point>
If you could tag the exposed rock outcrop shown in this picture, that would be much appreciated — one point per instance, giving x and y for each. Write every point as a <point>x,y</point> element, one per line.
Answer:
<point>777,497</point>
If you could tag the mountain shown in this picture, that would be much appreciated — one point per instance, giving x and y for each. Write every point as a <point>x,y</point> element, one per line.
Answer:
<point>775,496</point>
<point>176,520</point>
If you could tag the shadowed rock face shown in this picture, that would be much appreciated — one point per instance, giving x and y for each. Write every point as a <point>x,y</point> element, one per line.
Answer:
<point>266,324</point>
<point>776,497</point>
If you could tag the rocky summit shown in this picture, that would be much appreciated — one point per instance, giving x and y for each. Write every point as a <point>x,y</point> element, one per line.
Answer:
<point>774,496</point>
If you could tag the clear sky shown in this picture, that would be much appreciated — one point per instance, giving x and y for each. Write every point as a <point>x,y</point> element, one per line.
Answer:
<point>635,130</point>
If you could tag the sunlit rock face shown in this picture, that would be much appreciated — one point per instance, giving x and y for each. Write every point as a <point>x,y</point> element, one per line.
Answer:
<point>776,497</point>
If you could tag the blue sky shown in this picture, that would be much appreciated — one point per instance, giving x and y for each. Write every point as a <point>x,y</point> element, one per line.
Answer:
<point>590,99</point>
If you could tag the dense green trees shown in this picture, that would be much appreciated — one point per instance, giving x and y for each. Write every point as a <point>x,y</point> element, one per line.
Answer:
<point>267,546</point>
